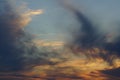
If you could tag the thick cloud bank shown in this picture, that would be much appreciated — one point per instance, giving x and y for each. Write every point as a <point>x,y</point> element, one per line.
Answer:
<point>16,47</point>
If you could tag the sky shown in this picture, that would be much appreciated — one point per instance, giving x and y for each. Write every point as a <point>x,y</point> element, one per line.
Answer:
<point>59,20</point>
<point>56,19</point>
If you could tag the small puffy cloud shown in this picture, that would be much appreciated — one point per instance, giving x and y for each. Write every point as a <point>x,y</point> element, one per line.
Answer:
<point>33,12</point>
<point>26,16</point>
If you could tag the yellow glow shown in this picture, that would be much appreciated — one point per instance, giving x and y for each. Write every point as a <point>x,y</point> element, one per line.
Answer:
<point>48,43</point>
<point>33,12</point>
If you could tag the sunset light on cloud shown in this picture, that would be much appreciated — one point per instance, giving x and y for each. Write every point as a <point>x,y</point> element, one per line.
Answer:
<point>28,14</point>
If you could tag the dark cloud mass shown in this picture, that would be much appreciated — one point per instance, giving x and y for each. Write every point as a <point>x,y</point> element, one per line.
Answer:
<point>112,72</point>
<point>15,43</point>
<point>87,38</point>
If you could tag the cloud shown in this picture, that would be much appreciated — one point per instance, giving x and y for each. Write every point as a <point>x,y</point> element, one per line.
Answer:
<point>48,43</point>
<point>17,50</point>
<point>87,38</point>
<point>26,16</point>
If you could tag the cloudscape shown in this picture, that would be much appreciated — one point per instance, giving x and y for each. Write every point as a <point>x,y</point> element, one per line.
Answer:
<point>59,40</point>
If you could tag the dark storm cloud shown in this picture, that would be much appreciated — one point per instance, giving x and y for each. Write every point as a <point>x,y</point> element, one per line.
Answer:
<point>17,51</point>
<point>9,33</point>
